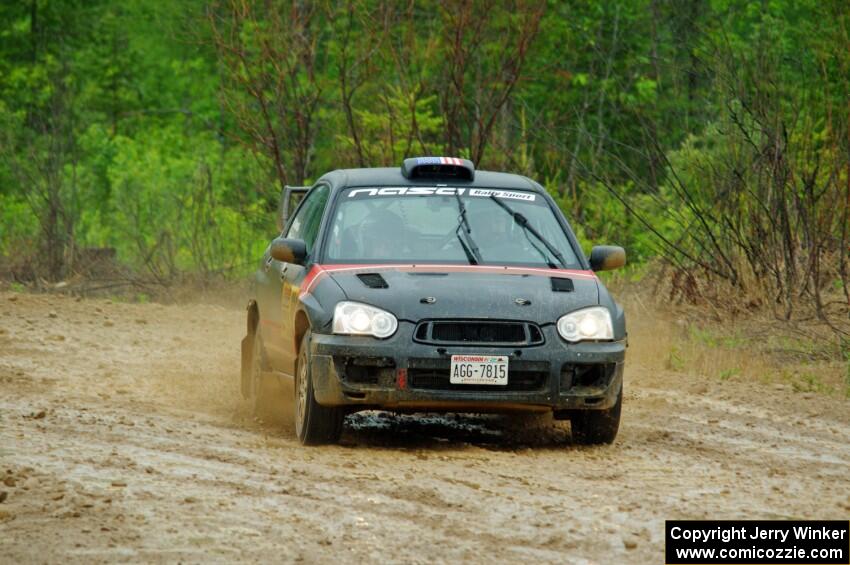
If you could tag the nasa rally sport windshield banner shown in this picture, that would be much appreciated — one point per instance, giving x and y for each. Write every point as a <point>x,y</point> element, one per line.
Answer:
<point>816,542</point>
<point>361,193</point>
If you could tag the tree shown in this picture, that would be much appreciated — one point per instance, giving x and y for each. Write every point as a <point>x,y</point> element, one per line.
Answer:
<point>272,83</point>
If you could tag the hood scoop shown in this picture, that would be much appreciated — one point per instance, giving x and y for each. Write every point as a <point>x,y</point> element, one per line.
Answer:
<point>562,285</point>
<point>373,280</point>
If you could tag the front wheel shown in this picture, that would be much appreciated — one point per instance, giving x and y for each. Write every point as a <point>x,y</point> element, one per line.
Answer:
<point>314,424</point>
<point>592,427</point>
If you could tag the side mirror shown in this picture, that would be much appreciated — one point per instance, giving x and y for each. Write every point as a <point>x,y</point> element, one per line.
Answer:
<point>289,250</point>
<point>607,257</point>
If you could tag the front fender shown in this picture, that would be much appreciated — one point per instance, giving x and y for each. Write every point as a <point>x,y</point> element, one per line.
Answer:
<point>318,305</point>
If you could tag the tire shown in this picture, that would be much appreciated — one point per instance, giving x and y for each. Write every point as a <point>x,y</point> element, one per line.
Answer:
<point>594,427</point>
<point>314,424</point>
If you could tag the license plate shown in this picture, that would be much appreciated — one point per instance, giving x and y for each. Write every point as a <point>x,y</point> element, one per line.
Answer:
<point>479,370</point>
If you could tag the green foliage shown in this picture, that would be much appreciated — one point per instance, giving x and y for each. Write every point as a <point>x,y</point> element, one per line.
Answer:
<point>675,359</point>
<point>388,131</point>
<point>166,129</point>
<point>116,127</point>
<point>727,374</point>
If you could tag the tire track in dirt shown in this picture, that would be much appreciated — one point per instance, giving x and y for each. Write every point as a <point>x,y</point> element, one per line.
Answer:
<point>122,437</point>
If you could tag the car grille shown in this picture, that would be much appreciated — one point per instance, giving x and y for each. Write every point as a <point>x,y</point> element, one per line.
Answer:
<point>473,332</point>
<point>430,379</point>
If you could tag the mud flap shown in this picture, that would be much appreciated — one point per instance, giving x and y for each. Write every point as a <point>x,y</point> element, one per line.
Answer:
<point>247,347</point>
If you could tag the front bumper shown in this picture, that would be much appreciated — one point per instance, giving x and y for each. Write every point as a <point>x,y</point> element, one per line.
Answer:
<point>400,374</point>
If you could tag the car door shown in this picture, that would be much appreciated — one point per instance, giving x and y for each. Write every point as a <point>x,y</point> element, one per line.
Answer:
<point>304,226</point>
<point>268,292</point>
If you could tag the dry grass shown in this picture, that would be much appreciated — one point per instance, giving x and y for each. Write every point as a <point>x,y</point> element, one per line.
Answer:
<point>802,356</point>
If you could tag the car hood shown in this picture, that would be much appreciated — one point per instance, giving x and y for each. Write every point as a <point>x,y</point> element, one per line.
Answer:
<point>416,292</point>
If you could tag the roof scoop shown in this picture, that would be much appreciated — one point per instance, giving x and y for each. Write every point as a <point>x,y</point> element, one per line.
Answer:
<point>449,168</point>
<point>373,280</point>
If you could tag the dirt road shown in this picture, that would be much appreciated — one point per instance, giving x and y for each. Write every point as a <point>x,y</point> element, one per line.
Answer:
<point>122,438</point>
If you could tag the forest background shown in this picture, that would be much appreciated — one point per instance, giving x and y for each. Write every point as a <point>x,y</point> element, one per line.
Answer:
<point>710,139</point>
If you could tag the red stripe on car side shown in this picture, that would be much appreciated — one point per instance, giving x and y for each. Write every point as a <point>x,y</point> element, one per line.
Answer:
<point>315,273</point>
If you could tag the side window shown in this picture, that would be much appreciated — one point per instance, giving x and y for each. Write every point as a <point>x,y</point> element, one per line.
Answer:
<point>305,224</point>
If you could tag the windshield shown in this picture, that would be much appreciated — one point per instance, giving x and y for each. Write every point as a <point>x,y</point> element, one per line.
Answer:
<point>447,225</point>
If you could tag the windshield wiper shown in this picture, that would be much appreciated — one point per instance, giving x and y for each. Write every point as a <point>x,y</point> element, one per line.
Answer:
<point>473,255</point>
<point>522,221</point>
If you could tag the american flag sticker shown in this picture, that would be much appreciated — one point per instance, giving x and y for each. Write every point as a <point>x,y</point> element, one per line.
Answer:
<point>439,161</point>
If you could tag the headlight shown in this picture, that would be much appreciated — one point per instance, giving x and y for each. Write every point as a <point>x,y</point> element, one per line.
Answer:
<point>353,318</point>
<point>588,324</point>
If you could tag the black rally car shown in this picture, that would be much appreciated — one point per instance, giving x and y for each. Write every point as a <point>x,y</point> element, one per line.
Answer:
<point>435,287</point>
